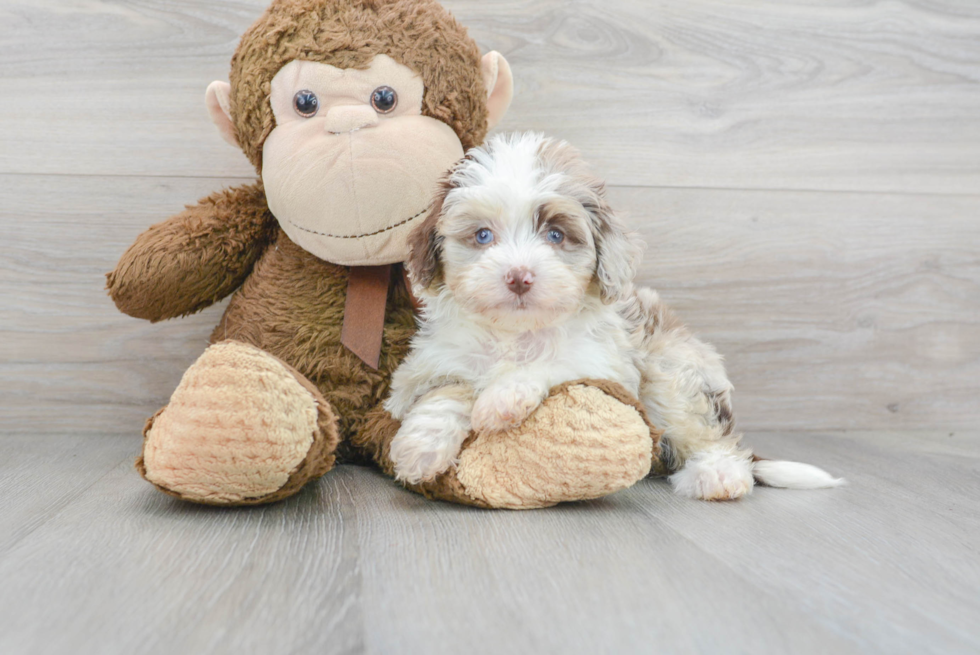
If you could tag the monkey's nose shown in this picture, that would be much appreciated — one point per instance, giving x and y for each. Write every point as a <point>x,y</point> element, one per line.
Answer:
<point>343,119</point>
<point>519,280</point>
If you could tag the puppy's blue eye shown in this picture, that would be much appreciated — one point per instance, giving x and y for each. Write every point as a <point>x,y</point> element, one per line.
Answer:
<point>305,103</point>
<point>555,236</point>
<point>484,236</point>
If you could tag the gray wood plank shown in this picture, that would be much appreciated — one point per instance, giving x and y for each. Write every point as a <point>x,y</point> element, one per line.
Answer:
<point>853,310</point>
<point>584,578</point>
<point>808,95</point>
<point>125,569</point>
<point>355,564</point>
<point>159,576</point>
<point>42,473</point>
<point>833,310</point>
<point>66,351</point>
<point>889,560</point>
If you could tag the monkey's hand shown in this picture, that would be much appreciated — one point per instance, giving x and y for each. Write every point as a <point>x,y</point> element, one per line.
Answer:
<point>193,259</point>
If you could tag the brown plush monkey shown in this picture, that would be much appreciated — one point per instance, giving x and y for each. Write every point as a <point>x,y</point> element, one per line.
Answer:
<point>350,110</point>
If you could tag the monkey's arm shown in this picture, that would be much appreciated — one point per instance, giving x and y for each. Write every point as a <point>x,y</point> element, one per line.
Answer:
<point>195,258</point>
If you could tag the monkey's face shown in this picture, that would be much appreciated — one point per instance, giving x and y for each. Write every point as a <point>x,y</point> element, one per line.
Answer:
<point>352,163</point>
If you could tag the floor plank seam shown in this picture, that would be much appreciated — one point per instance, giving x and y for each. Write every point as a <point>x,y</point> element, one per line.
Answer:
<point>68,501</point>
<point>778,597</point>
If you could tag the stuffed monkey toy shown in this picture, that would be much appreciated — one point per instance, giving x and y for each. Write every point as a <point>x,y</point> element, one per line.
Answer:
<point>350,111</point>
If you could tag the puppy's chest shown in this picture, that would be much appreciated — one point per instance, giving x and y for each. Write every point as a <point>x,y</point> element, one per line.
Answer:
<point>572,353</point>
<point>526,348</point>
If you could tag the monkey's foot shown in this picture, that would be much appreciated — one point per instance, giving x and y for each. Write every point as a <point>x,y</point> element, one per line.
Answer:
<point>242,428</point>
<point>587,439</point>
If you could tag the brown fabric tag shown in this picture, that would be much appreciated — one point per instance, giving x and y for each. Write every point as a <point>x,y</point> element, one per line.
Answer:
<point>364,312</point>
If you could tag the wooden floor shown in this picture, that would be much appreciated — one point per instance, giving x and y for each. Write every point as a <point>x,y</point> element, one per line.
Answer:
<point>92,560</point>
<point>806,175</point>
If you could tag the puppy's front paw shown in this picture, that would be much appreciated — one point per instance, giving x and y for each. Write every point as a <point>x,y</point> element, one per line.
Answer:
<point>425,446</point>
<point>503,407</point>
<point>714,476</point>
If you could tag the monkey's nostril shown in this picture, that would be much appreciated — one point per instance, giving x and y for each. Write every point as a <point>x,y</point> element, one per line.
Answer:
<point>344,119</point>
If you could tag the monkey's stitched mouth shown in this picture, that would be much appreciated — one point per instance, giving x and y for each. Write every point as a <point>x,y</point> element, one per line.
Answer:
<point>358,236</point>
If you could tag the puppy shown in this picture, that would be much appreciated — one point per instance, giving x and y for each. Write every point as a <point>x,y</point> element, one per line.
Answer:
<point>525,276</point>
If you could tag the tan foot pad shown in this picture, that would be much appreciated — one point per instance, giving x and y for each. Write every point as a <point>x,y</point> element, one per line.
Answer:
<point>581,443</point>
<point>238,426</point>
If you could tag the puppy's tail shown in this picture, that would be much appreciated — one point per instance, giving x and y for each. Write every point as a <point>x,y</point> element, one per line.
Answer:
<point>792,475</point>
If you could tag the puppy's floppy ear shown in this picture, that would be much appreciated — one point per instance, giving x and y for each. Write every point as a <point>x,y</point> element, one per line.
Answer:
<point>617,254</point>
<point>616,251</point>
<point>425,242</point>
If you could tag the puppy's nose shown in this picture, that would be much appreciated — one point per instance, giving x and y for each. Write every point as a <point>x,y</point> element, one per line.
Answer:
<point>519,280</point>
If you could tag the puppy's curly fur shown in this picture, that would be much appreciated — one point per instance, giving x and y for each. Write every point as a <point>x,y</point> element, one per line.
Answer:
<point>526,279</point>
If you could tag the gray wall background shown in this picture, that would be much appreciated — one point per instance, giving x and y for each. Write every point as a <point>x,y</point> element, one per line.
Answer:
<point>806,176</point>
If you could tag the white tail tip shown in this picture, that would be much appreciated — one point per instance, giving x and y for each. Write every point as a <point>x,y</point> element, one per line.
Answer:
<point>793,475</point>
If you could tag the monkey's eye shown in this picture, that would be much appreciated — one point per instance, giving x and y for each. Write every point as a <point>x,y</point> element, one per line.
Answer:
<point>384,99</point>
<point>484,236</point>
<point>555,236</point>
<point>305,103</point>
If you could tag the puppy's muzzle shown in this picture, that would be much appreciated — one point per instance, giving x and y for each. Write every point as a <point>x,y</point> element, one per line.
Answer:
<point>519,280</point>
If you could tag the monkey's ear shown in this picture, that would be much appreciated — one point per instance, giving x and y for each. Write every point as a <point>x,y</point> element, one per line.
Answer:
<point>218,100</point>
<point>500,86</point>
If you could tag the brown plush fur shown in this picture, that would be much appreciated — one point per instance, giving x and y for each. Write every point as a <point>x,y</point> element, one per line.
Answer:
<point>194,259</point>
<point>286,301</point>
<point>289,303</point>
<point>292,306</point>
<point>420,34</point>
<point>379,429</point>
<point>319,459</point>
